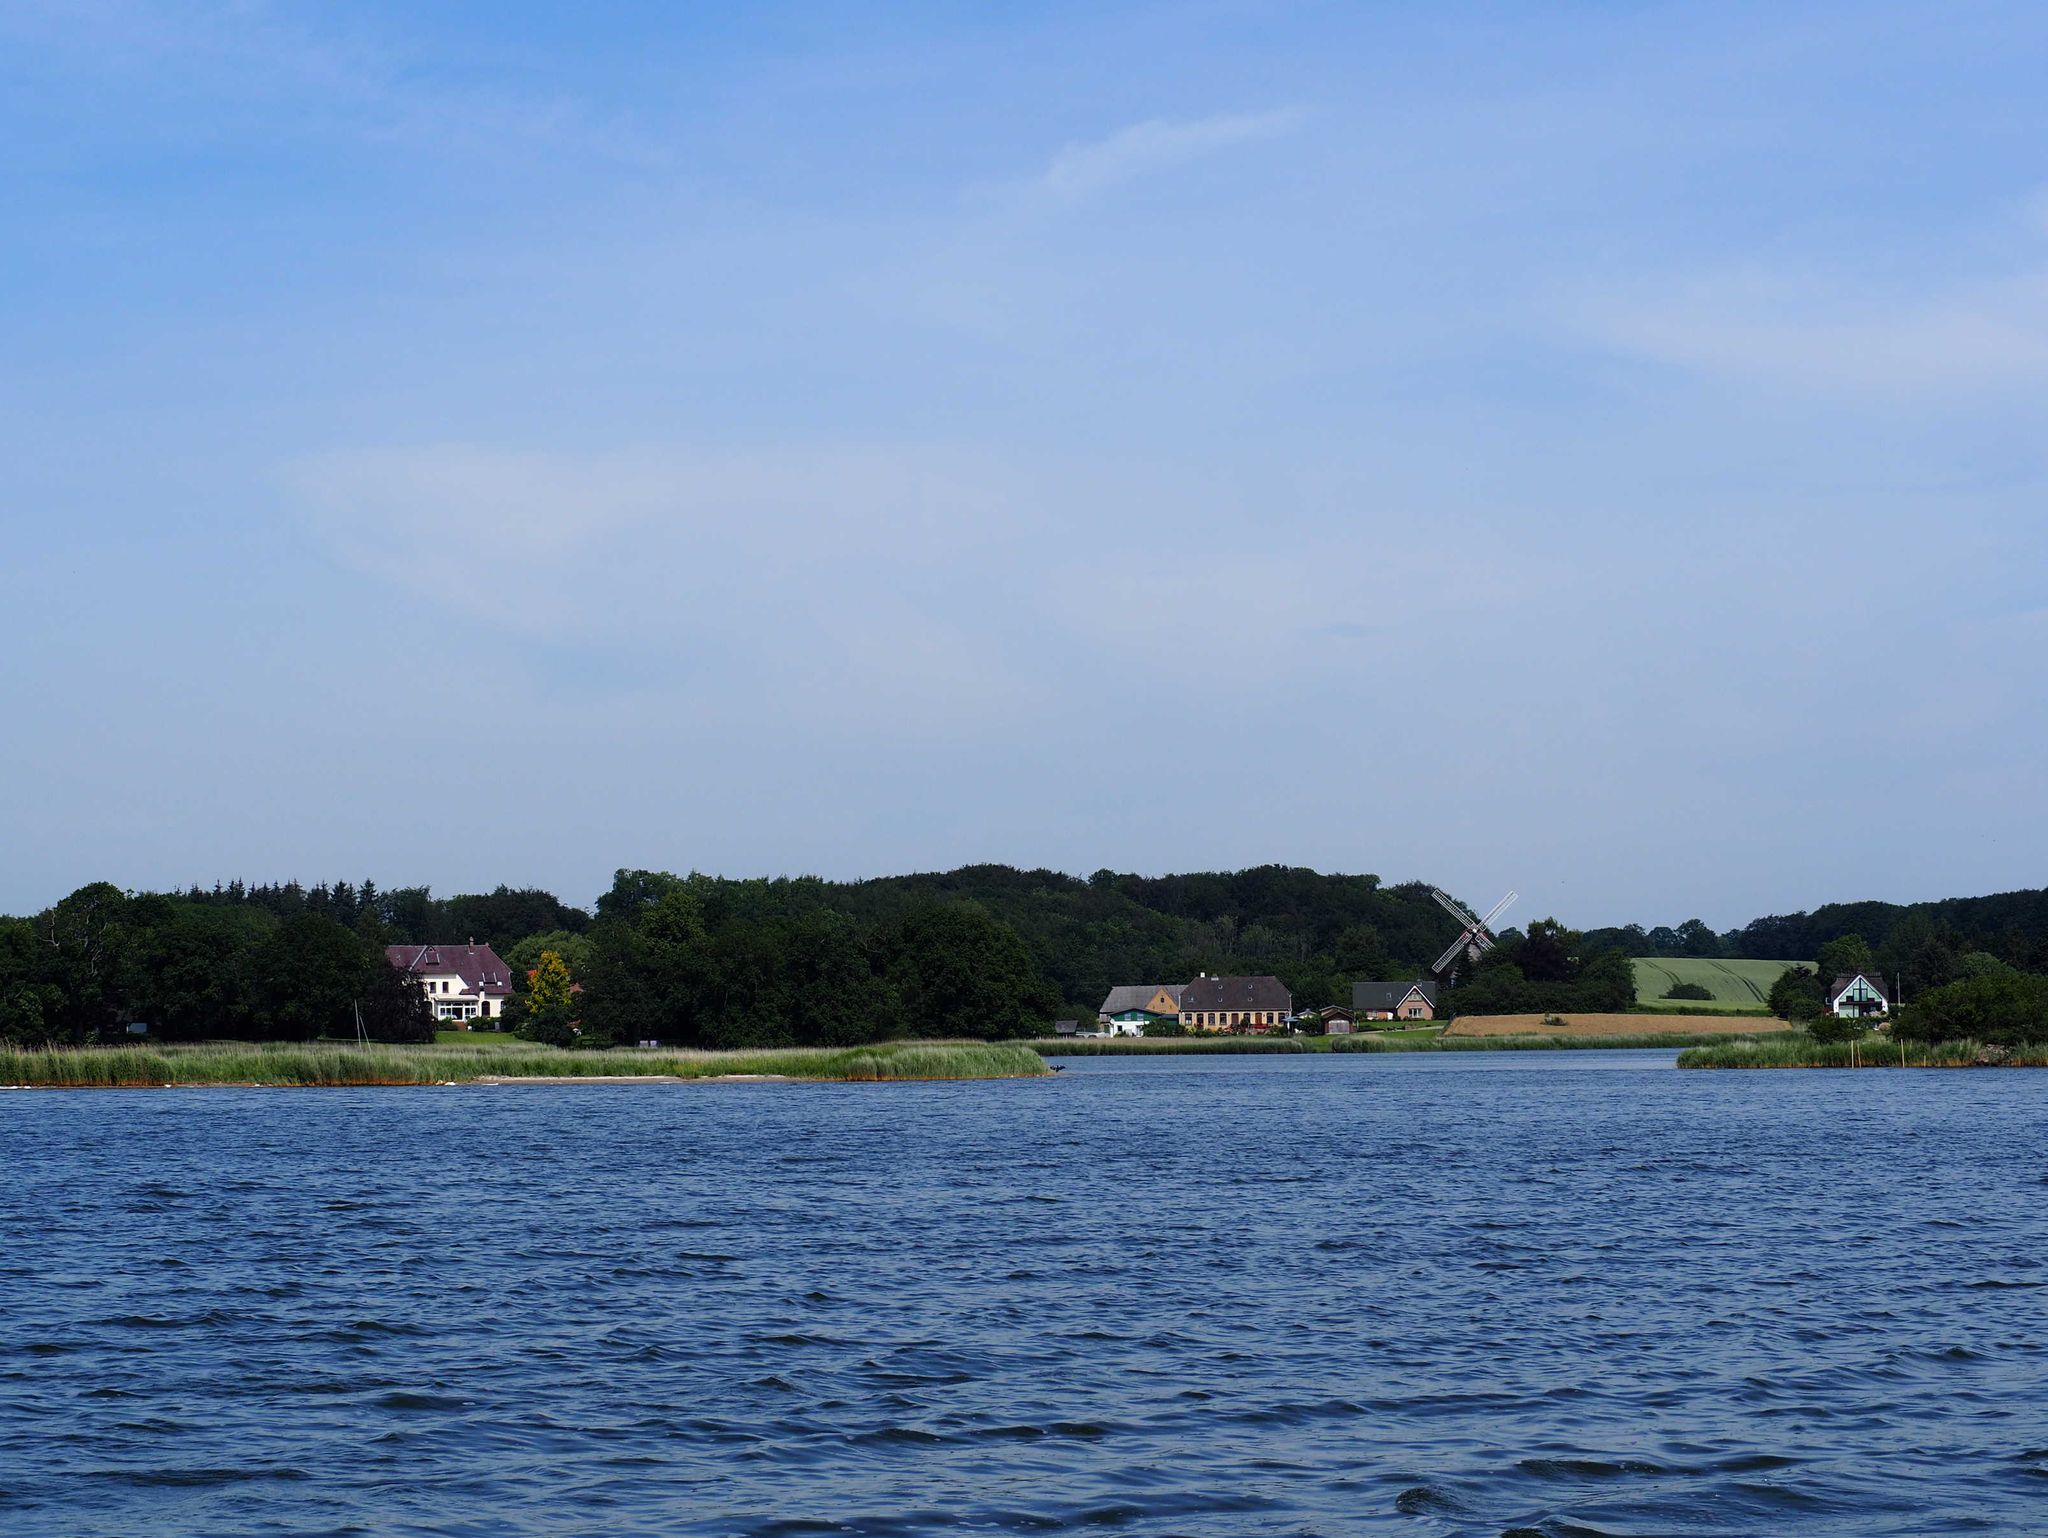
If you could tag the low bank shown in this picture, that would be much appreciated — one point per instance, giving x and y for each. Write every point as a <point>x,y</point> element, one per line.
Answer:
<point>291,1064</point>
<point>1150,1046</point>
<point>1801,1051</point>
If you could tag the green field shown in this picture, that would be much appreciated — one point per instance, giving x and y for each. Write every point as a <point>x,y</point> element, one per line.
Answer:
<point>1736,985</point>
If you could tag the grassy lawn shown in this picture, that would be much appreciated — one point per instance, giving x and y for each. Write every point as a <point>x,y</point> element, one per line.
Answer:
<point>476,1039</point>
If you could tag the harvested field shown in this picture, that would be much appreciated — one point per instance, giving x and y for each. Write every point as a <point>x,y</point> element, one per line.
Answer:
<point>1608,1025</point>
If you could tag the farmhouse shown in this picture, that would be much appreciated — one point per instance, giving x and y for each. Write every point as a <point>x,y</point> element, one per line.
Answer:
<point>1394,1001</point>
<point>464,983</point>
<point>1235,1004</point>
<point>1858,996</point>
<point>1128,1009</point>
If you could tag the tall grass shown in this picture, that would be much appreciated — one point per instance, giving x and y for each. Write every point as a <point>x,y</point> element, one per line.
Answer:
<point>1152,1046</point>
<point>1616,1043</point>
<point>1799,1050</point>
<point>278,1063</point>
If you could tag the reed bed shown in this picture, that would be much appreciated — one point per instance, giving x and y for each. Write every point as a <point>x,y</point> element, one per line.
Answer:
<point>279,1063</point>
<point>1153,1046</point>
<point>1799,1050</point>
<point>1614,1043</point>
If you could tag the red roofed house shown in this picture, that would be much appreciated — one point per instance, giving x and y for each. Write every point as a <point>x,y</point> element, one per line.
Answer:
<point>464,983</point>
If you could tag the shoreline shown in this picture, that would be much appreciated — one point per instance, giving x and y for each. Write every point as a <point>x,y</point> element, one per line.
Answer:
<point>1168,1046</point>
<point>1857,1056</point>
<point>286,1065</point>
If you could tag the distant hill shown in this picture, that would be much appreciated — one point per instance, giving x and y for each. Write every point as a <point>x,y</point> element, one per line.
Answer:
<point>2012,926</point>
<point>1317,932</point>
<point>1734,984</point>
<point>1917,939</point>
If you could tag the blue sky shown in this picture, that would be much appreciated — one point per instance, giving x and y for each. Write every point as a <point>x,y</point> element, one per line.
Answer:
<point>1596,449</point>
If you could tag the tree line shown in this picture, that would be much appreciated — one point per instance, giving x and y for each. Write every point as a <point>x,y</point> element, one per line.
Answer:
<point>690,961</point>
<point>1920,940</point>
<point>705,961</point>
<point>103,959</point>
<point>982,950</point>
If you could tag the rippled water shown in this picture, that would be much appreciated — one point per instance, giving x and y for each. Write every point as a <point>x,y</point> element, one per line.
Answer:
<point>1517,1293</point>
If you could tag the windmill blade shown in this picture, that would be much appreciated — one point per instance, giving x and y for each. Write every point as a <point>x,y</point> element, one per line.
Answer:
<point>1499,908</point>
<point>1456,909</point>
<point>1451,955</point>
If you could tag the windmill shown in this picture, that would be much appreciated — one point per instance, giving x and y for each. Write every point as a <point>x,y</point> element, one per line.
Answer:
<point>1475,938</point>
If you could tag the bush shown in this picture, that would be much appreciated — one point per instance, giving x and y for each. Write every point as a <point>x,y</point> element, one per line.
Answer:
<point>1826,1029</point>
<point>1688,991</point>
<point>2002,1009</point>
<point>1797,994</point>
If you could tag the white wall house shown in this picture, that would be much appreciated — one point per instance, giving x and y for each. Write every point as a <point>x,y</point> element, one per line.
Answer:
<point>467,984</point>
<point>1859,996</point>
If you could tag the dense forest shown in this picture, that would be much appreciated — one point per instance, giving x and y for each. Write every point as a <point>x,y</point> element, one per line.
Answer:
<point>985,950</point>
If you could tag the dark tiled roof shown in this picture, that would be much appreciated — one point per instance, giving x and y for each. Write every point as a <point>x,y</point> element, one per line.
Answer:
<point>479,967</point>
<point>1387,995</point>
<point>1842,983</point>
<point>1248,993</point>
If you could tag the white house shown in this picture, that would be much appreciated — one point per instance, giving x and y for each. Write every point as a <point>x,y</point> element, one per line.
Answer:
<point>1858,996</point>
<point>464,983</point>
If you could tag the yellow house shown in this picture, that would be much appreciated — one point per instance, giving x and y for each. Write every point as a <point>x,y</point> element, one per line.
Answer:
<point>1129,1007</point>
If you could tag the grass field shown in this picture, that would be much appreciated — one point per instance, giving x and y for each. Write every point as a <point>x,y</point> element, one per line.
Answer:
<point>1736,984</point>
<point>285,1063</point>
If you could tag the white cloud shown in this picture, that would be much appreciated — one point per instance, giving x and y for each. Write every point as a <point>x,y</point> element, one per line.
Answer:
<point>199,68</point>
<point>558,543</point>
<point>1158,144</point>
<point>806,587</point>
<point>1812,332</point>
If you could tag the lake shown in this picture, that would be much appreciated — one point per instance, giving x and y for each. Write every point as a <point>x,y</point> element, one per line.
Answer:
<point>1571,1293</point>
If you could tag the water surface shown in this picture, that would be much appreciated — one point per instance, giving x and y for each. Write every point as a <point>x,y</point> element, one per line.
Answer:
<point>1529,1293</point>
